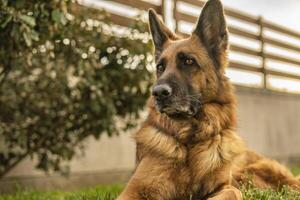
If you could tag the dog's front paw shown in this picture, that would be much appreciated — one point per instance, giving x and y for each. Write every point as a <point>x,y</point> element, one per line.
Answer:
<point>227,193</point>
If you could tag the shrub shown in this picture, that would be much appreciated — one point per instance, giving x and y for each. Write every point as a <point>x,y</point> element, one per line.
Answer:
<point>66,74</point>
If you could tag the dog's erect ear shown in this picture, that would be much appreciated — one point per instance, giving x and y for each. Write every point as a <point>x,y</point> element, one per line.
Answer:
<point>160,33</point>
<point>212,30</point>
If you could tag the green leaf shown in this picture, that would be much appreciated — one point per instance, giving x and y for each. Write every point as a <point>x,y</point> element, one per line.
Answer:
<point>58,17</point>
<point>27,39</point>
<point>34,35</point>
<point>6,21</point>
<point>27,19</point>
<point>55,16</point>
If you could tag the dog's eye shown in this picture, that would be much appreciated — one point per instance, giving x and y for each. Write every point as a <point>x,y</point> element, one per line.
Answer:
<point>189,61</point>
<point>160,68</point>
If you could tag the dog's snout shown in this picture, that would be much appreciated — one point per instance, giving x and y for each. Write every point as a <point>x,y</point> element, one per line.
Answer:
<point>162,91</point>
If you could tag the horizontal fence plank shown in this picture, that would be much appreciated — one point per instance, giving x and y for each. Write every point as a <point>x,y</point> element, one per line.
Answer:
<point>193,2</point>
<point>244,50</point>
<point>142,5</point>
<point>230,12</point>
<point>243,33</point>
<point>281,44</point>
<point>184,17</point>
<point>280,29</point>
<point>240,16</point>
<point>245,67</point>
<point>282,74</point>
<point>282,59</point>
<point>121,20</point>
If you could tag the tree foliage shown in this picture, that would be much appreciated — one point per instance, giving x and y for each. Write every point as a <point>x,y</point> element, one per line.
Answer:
<point>66,74</point>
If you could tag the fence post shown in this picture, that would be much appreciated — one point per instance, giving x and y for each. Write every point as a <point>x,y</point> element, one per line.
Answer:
<point>262,51</point>
<point>162,9</point>
<point>174,15</point>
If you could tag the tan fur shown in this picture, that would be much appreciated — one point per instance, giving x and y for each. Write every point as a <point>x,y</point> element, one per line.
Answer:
<point>200,157</point>
<point>159,143</point>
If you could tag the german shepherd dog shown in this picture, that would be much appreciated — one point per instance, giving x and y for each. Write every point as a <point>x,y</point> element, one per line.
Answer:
<point>188,148</point>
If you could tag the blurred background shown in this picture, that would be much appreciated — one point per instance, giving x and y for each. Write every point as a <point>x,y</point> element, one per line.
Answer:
<point>75,77</point>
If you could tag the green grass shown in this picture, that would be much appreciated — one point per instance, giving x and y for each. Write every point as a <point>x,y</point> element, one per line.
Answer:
<point>96,193</point>
<point>111,192</point>
<point>250,193</point>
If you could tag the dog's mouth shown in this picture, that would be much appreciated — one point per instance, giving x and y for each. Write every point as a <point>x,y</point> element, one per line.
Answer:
<point>176,111</point>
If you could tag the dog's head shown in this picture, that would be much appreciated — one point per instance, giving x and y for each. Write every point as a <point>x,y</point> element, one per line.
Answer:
<point>189,69</point>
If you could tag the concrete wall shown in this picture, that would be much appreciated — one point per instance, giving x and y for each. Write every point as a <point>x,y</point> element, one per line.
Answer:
<point>107,161</point>
<point>268,121</point>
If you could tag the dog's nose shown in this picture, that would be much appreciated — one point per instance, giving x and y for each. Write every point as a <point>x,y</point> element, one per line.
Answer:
<point>162,91</point>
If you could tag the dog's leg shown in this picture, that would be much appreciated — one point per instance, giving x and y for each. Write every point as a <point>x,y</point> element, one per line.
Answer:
<point>227,193</point>
<point>138,189</point>
<point>151,181</point>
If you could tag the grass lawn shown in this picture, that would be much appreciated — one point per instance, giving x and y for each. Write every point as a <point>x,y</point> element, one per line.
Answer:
<point>111,192</point>
<point>96,193</point>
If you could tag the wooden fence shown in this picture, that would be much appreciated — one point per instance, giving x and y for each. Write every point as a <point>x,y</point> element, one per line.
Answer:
<point>259,37</point>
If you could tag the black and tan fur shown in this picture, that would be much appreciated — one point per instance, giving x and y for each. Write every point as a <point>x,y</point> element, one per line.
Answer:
<point>188,148</point>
